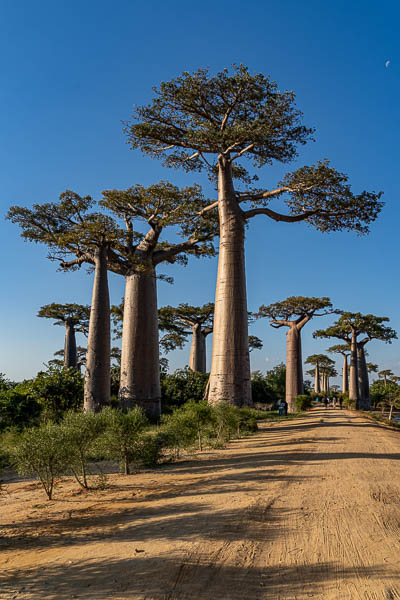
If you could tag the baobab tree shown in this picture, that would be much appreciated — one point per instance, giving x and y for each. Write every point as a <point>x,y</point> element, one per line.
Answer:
<point>344,350</point>
<point>319,361</point>
<point>294,313</point>
<point>70,230</point>
<point>182,321</point>
<point>80,356</point>
<point>385,374</point>
<point>156,208</point>
<point>74,317</point>
<point>348,327</point>
<point>200,121</point>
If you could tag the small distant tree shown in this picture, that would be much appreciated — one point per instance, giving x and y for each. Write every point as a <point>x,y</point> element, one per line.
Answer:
<point>56,391</point>
<point>348,327</point>
<point>344,350</point>
<point>319,361</point>
<point>385,374</point>
<point>74,317</point>
<point>294,313</point>
<point>276,380</point>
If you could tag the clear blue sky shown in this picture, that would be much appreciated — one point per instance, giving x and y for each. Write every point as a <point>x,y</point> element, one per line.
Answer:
<point>71,71</point>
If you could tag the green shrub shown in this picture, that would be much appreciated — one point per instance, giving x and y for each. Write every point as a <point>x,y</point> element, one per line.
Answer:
<point>18,410</point>
<point>81,431</point>
<point>181,387</point>
<point>248,420</point>
<point>42,452</point>
<point>303,402</point>
<point>121,438</point>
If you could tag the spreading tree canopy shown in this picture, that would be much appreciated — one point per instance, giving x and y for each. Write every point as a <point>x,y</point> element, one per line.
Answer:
<point>224,124</point>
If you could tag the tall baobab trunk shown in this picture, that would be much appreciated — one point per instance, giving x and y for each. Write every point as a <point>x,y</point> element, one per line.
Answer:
<point>345,375</point>
<point>317,386</point>
<point>197,361</point>
<point>70,355</point>
<point>140,365</point>
<point>353,385</point>
<point>97,376</point>
<point>230,366</point>
<point>292,367</point>
<point>300,385</point>
<point>365,403</point>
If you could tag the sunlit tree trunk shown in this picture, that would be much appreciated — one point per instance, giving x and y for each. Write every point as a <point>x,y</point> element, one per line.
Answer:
<point>140,367</point>
<point>230,366</point>
<point>353,384</point>
<point>317,386</point>
<point>97,376</point>
<point>197,361</point>
<point>292,366</point>
<point>345,375</point>
<point>70,355</point>
<point>300,385</point>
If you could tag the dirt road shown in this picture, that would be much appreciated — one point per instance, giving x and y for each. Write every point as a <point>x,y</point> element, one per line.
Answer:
<point>304,509</point>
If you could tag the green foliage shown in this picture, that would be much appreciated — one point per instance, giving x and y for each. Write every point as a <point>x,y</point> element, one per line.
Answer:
<point>296,308</point>
<point>303,402</point>
<point>261,392</point>
<point>121,439</point>
<point>80,433</point>
<point>276,380</point>
<point>56,391</point>
<point>77,315</point>
<point>178,322</point>
<point>42,452</point>
<point>18,409</point>
<point>372,327</point>
<point>181,387</point>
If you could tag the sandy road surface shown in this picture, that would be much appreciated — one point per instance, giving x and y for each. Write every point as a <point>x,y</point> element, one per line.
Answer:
<point>304,509</point>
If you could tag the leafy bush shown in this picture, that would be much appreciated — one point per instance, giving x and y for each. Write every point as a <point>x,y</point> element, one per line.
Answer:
<point>181,387</point>
<point>56,391</point>
<point>121,438</point>
<point>303,402</point>
<point>18,410</point>
<point>81,430</point>
<point>42,452</point>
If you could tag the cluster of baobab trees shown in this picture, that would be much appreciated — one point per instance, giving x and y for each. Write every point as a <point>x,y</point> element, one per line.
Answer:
<point>223,124</point>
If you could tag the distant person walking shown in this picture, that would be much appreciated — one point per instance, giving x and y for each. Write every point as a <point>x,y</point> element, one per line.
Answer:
<point>334,402</point>
<point>326,400</point>
<point>341,401</point>
<point>281,408</point>
<point>285,407</point>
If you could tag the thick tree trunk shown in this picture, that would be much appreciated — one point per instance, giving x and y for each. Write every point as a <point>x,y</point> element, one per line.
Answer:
<point>317,386</point>
<point>300,379</point>
<point>197,361</point>
<point>97,376</point>
<point>365,403</point>
<point>70,355</point>
<point>292,367</point>
<point>140,365</point>
<point>360,387</point>
<point>345,376</point>
<point>353,385</point>
<point>230,366</point>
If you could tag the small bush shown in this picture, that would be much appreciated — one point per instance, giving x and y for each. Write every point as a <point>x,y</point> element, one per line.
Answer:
<point>81,430</point>
<point>121,439</point>
<point>303,402</point>
<point>42,452</point>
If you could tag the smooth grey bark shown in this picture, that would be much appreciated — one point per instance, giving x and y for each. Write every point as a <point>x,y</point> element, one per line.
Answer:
<point>353,384</point>
<point>70,354</point>
<point>230,365</point>
<point>197,361</point>
<point>345,375</point>
<point>140,366</point>
<point>300,379</point>
<point>97,375</point>
<point>317,386</point>
<point>292,366</point>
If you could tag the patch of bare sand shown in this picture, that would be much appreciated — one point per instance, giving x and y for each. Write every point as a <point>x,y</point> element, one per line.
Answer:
<point>304,509</point>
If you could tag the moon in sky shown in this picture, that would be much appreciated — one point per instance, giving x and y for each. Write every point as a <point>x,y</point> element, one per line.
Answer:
<point>387,63</point>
